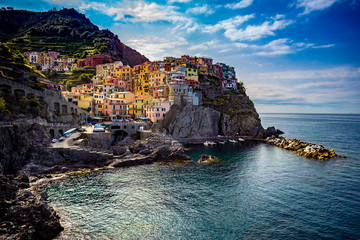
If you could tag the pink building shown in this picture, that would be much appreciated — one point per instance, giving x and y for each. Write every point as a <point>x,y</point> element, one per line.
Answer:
<point>229,83</point>
<point>119,105</point>
<point>117,82</point>
<point>157,110</point>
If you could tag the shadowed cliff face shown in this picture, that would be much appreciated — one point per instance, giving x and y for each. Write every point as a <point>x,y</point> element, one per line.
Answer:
<point>66,31</point>
<point>228,113</point>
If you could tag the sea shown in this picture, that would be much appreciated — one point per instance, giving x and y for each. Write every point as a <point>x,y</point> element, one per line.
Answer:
<point>258,191</point>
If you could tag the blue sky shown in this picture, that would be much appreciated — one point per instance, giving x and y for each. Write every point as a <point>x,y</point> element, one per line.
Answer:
<point>293,56</point>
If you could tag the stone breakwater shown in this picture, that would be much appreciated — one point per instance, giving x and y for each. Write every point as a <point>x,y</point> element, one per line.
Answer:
<point>305,149</point>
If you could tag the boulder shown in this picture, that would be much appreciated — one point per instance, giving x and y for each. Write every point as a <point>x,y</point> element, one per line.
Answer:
<point>208,159</point>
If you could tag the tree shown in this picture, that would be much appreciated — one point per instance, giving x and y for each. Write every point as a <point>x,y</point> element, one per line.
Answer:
<point>68,85</point>
<point>84,78</point>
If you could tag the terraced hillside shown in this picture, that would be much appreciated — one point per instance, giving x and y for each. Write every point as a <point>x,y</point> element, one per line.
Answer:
<point>66,31</point>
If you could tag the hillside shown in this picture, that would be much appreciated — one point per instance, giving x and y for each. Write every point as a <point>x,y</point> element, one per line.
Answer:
<point>66,31</point>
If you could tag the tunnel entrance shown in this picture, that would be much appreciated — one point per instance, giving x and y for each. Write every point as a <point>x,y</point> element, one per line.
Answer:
<point>118,136</point>
<point>52,133</point>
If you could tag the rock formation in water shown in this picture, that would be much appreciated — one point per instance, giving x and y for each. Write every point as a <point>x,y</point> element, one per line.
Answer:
<point>24,213</point>
<point>305,149</point>
<point>223,112</point>
<point>207,159</point>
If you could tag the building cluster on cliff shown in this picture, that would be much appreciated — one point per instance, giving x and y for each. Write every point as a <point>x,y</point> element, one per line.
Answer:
<point>148,90</point>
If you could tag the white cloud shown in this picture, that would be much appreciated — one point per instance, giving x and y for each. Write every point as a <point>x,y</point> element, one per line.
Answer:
<point>205,45</point>
<point>324,46</point>
<point>329,73</point>
<point>138,11</point>
<point>205,9</point>
<point>241,4</point>
<point>179,1</point>
<point>227,24</point>
<point>255,32</point>
<point>276,47</point>
<point>312,5</point>
<point>156,48</point>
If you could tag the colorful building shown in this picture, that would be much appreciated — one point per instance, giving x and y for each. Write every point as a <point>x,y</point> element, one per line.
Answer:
<point>157,110</point>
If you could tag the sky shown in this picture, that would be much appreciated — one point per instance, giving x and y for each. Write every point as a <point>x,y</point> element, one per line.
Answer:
<point>294,56</point>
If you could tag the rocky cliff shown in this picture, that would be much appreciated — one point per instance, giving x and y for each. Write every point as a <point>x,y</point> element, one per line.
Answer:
<point>223,112</point>
<point>66,31</point>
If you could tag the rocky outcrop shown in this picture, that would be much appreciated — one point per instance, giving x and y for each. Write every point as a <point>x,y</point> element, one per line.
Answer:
<point>305,149</point>
<point>223,112</point>
<point>24,214</point>
<point>208,159</point>
<point>21,144</point>
<point>157,148</point>
<point>192,122</point>
<point>269,132</point>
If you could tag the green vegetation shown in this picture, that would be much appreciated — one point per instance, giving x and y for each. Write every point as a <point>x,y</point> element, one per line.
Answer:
<point>11,105</point>
<point>13,64</point>
<point>76,77</point>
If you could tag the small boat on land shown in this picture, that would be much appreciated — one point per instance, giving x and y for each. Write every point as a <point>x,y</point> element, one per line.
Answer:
<point>232,141</point>
<point>241,140</point>
<point>221,142</point>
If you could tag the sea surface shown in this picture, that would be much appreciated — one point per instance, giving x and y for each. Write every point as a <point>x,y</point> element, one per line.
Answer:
<point>259,192</point>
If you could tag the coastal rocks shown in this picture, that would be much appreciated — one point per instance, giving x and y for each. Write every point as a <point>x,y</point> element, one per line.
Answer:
<point>24,213</point>
<point>208,159</point>
<point>269,132</point>
<point>157,148</point>
<point>305,149</point>
<point>20,144</point>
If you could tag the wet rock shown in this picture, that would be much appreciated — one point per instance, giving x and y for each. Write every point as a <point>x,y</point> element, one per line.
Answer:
<point>207,159</point>
<point>24,214</point>
<point>305,149</point>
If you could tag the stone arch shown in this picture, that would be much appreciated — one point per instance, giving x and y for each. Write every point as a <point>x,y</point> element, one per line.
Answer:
<point>64,109</point>
<point>76,110</point>
<point>52,133</point>
<point>118,136</point>
<point>19,93</point>
<point>56,107</point>
<point>5,88</point>
<point>61,132</point>
<point>72,110</point>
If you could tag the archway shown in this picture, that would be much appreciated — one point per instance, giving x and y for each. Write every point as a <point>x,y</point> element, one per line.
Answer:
<point>52,133</point>
<point>56,108</point>
<point>61,132</point>
<point>64,109</point>
<point>118,136</point>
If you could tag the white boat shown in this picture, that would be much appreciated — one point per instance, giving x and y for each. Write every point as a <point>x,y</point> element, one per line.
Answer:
<point>207,143</point>
<point>221,142</point>
<point>241,140</point>
<point>232,141</point>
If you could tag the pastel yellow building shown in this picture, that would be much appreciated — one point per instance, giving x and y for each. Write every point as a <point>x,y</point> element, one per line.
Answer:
<point>125,73</point>
<point>85,102</point>
<point>140,104</point>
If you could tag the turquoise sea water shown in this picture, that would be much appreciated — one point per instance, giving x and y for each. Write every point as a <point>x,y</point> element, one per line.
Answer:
<point>261,192</point>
